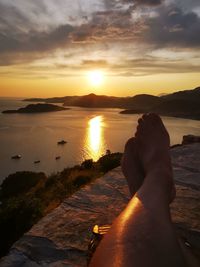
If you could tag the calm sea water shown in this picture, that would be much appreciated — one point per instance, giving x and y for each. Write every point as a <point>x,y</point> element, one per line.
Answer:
<point>88,132</point>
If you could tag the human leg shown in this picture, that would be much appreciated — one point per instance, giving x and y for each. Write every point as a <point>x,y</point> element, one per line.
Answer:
<point>143,234</point>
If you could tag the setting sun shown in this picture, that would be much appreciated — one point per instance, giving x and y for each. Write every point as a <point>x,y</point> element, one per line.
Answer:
<point>95,77</point>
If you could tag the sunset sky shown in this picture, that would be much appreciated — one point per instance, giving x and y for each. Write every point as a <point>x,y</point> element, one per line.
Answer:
<point>51,47</point>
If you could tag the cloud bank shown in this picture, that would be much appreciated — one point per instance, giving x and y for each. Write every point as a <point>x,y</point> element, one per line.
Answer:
<point>33,30</point>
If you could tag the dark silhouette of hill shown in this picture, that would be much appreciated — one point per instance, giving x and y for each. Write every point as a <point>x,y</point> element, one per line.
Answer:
<point>102,101</point>
<point>183,104</point>
<point>182,108</point>
<point>143,101</point>
<point>36,108</point>
<point>190,95</point>
<point>179,104</point>
<point>93,101</point>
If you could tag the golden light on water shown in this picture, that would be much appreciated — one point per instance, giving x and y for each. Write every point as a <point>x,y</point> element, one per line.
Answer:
<point>94,139</point>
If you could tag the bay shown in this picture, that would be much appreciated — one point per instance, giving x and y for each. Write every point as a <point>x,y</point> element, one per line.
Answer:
<point>88,132</point>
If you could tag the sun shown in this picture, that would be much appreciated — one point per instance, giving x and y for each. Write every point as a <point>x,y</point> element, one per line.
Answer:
<point>95,77</point>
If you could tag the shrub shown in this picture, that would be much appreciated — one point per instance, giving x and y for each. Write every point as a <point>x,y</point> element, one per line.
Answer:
<point>51,180</point>
<point>110,161</point>
<point>87,164</point>
<point>20,183</point>
<point>81,180</point>
<point>17,217</point>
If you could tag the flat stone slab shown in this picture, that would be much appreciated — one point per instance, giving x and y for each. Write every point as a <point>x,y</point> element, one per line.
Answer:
<point>61,238</point>
<point>186,165</point>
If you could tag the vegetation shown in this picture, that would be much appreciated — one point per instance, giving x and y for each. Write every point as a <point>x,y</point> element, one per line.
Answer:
<point>25,197</point>
<point>183,104</point>
<point>37,108</point>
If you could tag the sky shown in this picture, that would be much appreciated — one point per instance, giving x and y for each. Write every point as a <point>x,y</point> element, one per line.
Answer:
<point>51,47</point>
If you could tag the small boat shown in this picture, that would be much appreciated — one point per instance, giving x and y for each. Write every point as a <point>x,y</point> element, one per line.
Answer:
<point>58,157</point>
<point>16,157</point>
<point>36,161</point>
<point>62,142</point>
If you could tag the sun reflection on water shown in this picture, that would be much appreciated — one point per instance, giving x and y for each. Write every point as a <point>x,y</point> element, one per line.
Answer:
<point>94,140</point>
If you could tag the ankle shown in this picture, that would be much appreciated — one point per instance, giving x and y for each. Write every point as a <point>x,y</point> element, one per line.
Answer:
<point>161,171</point>
<point>159,183</point>
<point>160,165</point>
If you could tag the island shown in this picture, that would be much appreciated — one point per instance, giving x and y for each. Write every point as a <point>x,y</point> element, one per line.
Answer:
<point>37,108</point>
<point>182,104</point>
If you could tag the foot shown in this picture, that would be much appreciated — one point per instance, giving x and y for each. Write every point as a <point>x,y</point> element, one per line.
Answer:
<point>131,166</point>
<point>154,152</point>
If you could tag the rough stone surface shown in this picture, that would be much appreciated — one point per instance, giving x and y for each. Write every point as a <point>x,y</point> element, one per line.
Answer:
<point>62,237</point>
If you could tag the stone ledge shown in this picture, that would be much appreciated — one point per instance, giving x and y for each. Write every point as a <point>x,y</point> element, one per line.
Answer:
<point>61,238</point>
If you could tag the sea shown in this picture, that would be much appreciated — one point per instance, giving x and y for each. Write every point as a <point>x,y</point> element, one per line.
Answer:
<point>89,132</point>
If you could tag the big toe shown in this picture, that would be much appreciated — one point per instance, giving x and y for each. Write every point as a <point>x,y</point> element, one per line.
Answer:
<point>130,157</point>
<point>130,147</point>
<point>144,124</point>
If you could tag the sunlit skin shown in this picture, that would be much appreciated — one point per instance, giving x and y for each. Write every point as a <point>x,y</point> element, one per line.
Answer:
<point>143,234</point>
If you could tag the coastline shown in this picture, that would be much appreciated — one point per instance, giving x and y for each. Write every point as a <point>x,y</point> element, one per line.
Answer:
<point>186,116</point>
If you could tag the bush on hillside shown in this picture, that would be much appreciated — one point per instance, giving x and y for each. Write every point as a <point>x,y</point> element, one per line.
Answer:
<point>87,164</point>
<point>110,161</point>
<point>81,180</point>
<point>19,183</point>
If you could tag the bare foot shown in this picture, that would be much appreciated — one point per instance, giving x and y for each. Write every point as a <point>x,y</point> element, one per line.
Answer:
<point>131,166</point>
<point>154,144</point>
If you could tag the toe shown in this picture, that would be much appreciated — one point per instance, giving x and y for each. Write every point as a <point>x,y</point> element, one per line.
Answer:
<point>130,144</point>
<point>144,116</point>
<point>155,118</point>
<point>140,121</point>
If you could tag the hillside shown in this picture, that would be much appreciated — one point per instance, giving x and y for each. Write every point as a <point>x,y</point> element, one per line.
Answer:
<point>184,104</point>
<point>102,101</point>
<point>191,95</point>
<point>183,108</point>
<point>36,194</point>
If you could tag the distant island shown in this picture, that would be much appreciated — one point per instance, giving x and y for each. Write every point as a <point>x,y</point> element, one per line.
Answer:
<point>37,108</point>
<point>183,104</point>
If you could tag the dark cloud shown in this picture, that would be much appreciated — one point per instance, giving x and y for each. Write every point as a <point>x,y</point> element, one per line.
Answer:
<point>110,4</point>
<point>106,26</point>
<point>170,26</point>
<point>173,27</point>
<point>188,5</point>
<point>152,65</point>
<point>144,2</point>
<point>34,41</point>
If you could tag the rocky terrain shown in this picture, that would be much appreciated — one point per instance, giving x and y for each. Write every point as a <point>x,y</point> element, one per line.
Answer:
<point>36,108</point>
<point>62,237</point>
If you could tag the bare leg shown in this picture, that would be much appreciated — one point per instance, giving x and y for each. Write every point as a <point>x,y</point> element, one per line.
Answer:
<point>143,234</point>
